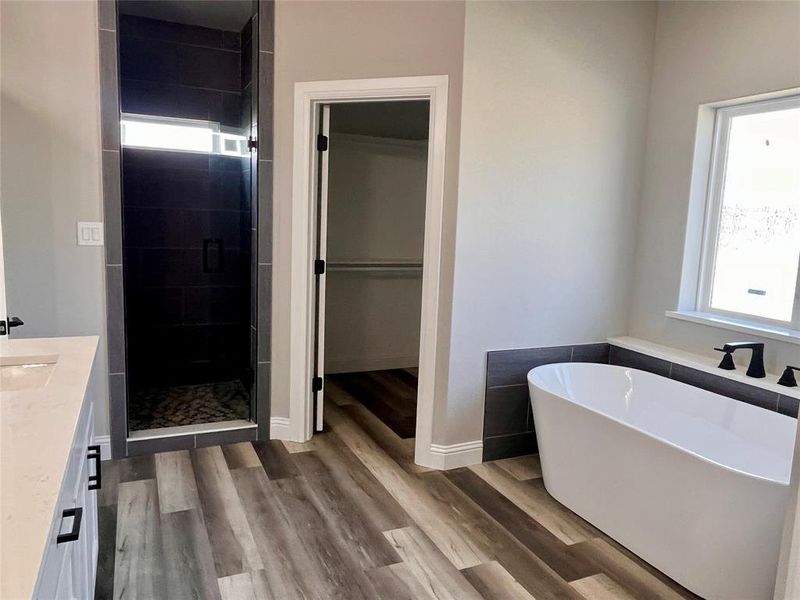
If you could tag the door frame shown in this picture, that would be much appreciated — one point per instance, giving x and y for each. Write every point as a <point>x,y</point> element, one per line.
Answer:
<point>308,96</point>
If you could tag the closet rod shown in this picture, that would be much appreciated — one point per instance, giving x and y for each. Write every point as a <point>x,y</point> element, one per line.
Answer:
<point>374,266</point>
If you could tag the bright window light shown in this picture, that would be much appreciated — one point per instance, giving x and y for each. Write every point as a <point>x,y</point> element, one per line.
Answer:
<point>753,250</point>
<point>182,135</point>
<point>173,134</point>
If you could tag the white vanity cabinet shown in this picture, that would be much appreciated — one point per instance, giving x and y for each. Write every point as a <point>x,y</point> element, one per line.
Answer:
<point>49,469</point>
<point>70,558</point>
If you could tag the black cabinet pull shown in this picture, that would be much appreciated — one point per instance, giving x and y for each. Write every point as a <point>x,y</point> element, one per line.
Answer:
<point>77,514</point>
<point>96,480</point>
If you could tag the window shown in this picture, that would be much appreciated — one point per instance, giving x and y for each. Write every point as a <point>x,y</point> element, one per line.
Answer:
<point>182,135</point>
<point>751,249</point>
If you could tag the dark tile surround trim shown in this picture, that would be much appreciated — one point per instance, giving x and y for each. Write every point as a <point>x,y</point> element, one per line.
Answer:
<point>112,217</point>
<point>507,420</point>
<point>115,309</point>
<point>508,428</point>
<point>265,31</point>
<point>708,381</point>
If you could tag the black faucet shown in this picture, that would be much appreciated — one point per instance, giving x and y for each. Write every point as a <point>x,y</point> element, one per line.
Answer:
<point>788,378</point>
<point>756,368</point>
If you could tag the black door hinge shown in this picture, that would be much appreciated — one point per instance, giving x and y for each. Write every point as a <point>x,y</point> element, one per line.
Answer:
<point>252,144</point>
<point>319,267</point>
<point>10,322</point>
<point>322,143</point>
<point>316,384</point>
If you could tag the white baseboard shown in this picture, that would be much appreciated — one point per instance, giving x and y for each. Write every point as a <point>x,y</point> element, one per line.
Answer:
<point>438,457</point>
<point>279,428</point>
<point>370,363</point>
<point>456,455</point>
<point>104,441</point>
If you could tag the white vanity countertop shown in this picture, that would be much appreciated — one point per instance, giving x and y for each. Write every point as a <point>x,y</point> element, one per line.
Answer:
<point>37,427</point>
<point>703,363</point>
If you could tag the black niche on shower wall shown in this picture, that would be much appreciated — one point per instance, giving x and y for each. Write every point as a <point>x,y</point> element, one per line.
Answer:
<point>187,218</point>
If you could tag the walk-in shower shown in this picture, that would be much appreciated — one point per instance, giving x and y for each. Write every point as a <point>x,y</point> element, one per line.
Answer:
<point>188,81</point>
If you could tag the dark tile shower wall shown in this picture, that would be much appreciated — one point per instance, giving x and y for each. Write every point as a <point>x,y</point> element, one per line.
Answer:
<point>188,320</point>
<point>508,428</point>
<point>248,120</point>
<point>175,70</point>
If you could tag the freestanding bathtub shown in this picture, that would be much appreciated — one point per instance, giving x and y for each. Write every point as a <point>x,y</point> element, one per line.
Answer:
<point>693,482</point>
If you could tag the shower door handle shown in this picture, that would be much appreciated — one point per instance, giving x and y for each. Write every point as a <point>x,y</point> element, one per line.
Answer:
<point>213,251</point>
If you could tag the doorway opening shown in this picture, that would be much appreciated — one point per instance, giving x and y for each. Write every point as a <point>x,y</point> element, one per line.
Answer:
<point>370,240</point>
<point>188,97</point>
<point>304,413</point>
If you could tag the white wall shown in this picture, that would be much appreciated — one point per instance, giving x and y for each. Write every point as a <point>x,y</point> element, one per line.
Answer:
<point>704,52</point>
<point>317,41</point>
<point>376,211</point>
<point>553,130</point>
<point>50,172</point>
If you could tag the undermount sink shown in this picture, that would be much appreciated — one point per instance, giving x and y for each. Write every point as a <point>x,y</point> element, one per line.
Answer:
<point>26,372</point>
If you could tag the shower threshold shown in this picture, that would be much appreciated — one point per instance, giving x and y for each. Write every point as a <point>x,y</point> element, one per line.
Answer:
<point>198,428</point>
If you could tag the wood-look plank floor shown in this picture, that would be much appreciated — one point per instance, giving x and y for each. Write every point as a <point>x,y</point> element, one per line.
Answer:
<point>349,516</point>
<point>390,395</point>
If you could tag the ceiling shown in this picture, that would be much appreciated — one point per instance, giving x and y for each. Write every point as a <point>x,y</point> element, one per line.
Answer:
<point>230,15</point>
<point>401,120</point>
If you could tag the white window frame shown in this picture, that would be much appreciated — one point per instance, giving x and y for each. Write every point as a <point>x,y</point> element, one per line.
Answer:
<point>716,179</point>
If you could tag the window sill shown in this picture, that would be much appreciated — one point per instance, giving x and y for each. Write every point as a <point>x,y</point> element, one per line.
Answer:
<point>790,336</point>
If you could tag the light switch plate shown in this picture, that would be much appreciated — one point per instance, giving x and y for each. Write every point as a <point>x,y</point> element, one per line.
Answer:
<point>90,233</point>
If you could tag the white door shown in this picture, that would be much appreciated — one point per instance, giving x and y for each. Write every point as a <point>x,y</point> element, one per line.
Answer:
<point>323,142</point>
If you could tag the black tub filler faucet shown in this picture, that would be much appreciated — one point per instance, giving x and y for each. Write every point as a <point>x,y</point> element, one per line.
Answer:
<point>756,368</point>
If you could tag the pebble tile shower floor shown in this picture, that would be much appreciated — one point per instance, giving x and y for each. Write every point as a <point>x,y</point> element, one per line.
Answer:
<point>188,405</point>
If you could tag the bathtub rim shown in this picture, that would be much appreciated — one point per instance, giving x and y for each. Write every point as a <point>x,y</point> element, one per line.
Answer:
<point>545,389</point>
